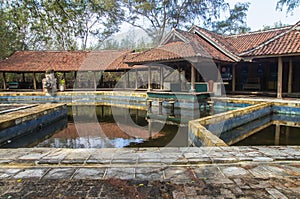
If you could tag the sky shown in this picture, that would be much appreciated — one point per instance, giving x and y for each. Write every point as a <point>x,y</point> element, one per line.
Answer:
<point>263,12</point>
<point>260,13</point>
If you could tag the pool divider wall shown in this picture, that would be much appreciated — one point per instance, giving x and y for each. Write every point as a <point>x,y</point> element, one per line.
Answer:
<point>205,131</point>
<point>232,119</point>
<point>126,99</point>
<point>31,120</point>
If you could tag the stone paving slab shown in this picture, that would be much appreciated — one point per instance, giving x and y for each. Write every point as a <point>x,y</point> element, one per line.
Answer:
<point>215,172</point>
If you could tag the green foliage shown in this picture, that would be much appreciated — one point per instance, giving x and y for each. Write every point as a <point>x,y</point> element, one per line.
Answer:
<point>235,23</point>
<point>159,16</point>
<point>290,4</point>
<point>278,24</point>
<point>56,24</point>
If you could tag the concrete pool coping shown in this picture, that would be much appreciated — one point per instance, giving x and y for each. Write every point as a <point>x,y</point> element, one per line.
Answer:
<point>232,172</point>
<point>200,135</point>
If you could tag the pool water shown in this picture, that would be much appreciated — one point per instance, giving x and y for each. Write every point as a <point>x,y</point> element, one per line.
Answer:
<point>272,135</point>
<point>113,127</point>
<point>271,130</point>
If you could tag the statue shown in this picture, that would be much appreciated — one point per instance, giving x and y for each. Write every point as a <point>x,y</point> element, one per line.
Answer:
<point>49,83</point>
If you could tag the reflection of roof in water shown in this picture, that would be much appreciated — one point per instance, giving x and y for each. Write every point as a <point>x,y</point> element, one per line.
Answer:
<point>103,129</point>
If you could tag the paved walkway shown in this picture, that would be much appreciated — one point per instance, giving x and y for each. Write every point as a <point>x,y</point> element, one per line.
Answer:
<point>216,172</point>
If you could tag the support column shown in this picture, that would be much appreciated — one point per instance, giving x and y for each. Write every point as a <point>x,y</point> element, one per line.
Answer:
<point>279,78</point>
<point>34,81</point>
<point>219,73</point>
<point>75,80</point>
<point>233,77</point>
<point>95,81</point>
<point>290,81</point>
<point>179,78</point>
<point>126,79</point>
<point>136,79</point>
<point>23,77</point>
<point>161,77</point>
<point>64,77</point>
<point>149,78</point>
<point>193,77</point>
<point>4,80</point>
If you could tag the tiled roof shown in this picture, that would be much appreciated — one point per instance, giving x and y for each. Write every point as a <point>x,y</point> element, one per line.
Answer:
<point>179,49</point>
<point>40,61</point>
<point>286,43</point>
<point>280,41</point>
<point>245,42</point>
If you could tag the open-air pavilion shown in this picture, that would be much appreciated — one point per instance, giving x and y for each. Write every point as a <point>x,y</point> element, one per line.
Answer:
<point>261,62</point>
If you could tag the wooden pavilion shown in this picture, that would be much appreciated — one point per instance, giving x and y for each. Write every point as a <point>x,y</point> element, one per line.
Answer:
<point>257,62</point>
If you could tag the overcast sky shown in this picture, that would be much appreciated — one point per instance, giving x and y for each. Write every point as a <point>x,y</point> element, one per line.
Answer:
<point>263,12</point>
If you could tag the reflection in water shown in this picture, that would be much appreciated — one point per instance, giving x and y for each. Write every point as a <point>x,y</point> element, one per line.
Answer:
<point>106,127</point>
<point>273,135</point>
<point>275,129</point>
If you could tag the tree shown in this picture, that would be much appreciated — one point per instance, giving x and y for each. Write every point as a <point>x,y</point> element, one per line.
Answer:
<point>291,5</point>
<point>56,24</point>
<point>235,23</point>
<point>278,24</point>
<point>159,16</point>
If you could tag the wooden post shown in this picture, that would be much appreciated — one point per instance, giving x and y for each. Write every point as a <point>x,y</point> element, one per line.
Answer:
<point>161,77</point>
<point>219,73</point>
<point>179,78</point>
<point>125,79</point>
<point>64,76</point>
<point>128,79</point>
<point>34,81</point>
<point>95,81</point>
<point>136,79</point>
<point>193,73</point>
<point>4,80</point>
<point>290,81</point>
<point>23,77</point>
<point>75,79</point>
<point>149,78</point>
<point>233,77</point>
<point>279,78</point>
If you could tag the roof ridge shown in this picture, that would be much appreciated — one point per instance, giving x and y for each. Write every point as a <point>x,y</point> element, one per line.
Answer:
<point>258,31</point>
<point>293,27</point>
<point>215,42</point>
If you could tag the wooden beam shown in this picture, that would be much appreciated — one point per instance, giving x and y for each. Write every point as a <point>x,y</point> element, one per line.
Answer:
<point>136,78</point>
<point>161,77</point>
<point>290,80</point>
<point>4,80</point>
<point>34,80</point>
<point>193,77</point>
<point>149,78</point>
<point>219,72</point>
<point>279,78</point>
<point>233,77</point>
<point>95,81</point>
<point>64,76</point>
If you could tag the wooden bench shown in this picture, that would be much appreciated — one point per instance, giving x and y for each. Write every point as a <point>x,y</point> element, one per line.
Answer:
<point>252,84</point>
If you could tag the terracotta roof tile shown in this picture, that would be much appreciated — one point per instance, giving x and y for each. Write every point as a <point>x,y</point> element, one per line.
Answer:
<point>174,50</point>
<point>270,42</point>
<point>40,61</point>
<point>288,43</point>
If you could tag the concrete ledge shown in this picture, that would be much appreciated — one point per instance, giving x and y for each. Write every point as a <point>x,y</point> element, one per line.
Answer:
<point>201,128</point>
<point>33,119</point>
<point>127,99</point>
